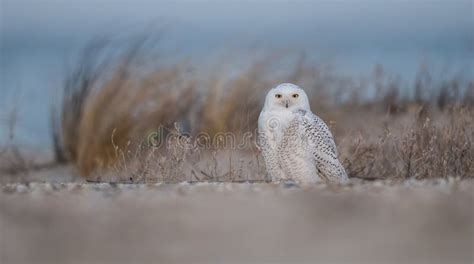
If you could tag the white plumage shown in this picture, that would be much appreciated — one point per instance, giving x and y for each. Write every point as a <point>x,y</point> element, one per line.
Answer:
<point>295,143</point>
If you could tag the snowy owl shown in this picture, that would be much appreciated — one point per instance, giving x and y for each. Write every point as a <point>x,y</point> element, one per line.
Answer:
<point>295,143</point>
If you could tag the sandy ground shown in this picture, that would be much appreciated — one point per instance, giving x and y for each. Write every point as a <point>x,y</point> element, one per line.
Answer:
<point>371,222</point>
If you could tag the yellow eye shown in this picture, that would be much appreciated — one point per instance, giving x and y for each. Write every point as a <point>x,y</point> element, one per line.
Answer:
<point>278,95</point>
<point>295,95</point>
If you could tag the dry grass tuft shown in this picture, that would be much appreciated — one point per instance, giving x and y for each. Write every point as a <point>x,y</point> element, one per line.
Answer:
<point>234,105</point>
<point>123,100</point>
<point>432,144</point>
<point>12,161</point>
<point>16,162</point>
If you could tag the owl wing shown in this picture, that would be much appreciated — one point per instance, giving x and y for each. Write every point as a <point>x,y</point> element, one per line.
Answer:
<point>323,148</point>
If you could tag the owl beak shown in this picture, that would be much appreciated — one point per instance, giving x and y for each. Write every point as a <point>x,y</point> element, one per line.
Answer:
<point>286,103</point>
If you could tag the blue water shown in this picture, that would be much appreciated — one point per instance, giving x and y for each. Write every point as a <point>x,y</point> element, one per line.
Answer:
<point>40,39</point>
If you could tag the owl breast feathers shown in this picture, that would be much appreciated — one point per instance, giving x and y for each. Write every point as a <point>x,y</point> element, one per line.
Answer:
<point>297,145</point>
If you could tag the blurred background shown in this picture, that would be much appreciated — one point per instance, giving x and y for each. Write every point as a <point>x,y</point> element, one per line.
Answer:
<point>41,39</point>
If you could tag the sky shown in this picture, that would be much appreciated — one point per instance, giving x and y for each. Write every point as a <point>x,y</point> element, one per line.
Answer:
<point>39,37</point>
<point>340,23</point>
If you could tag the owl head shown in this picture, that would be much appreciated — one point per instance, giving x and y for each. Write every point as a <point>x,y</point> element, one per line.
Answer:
<point>286,97</point>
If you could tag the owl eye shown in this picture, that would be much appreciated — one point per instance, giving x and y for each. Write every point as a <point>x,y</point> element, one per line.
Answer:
<point>295,95</point>
<point>278,95</point>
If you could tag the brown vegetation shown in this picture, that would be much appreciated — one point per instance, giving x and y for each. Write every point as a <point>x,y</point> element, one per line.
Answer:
<point>111,106</point>
<point>418,145</point>
<point>11,159</point>
<point>15,162</point>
